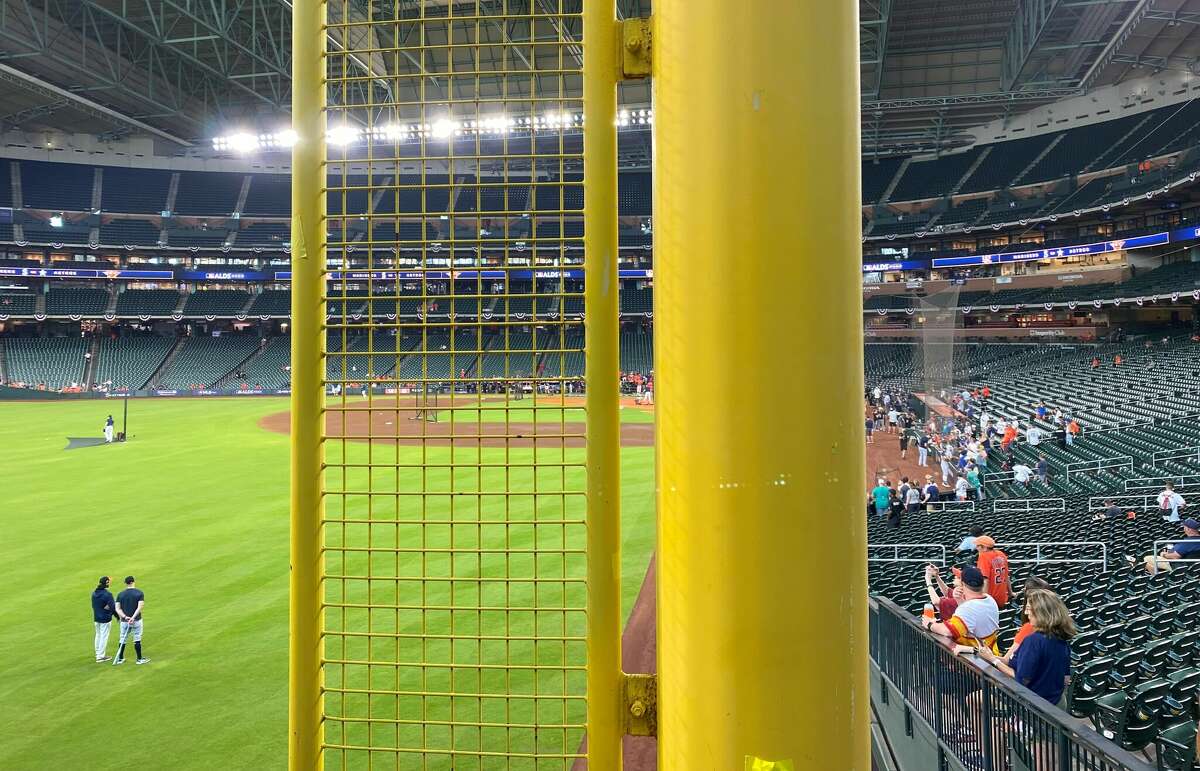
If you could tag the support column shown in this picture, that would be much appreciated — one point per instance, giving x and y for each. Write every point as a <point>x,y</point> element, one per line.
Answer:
<point>604,679</point>
<point>762,593</point>
<point>308,373</point>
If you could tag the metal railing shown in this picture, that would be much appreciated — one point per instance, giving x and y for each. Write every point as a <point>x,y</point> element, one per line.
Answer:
<point>1029,504</point>
<point>1143,502</point>
<point>1120,461</point>
<point>1040,559</point>
<point>951,505</point>
<point>986,720</point>
<point>896,547</point>
<point>1180,453</point>
<point>1156,483</point>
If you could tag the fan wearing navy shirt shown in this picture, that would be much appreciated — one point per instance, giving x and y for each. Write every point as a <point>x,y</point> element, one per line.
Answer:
<point>1042,662</point>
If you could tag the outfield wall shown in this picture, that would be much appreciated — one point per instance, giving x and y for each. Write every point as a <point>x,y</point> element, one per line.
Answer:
<point>32,394</point>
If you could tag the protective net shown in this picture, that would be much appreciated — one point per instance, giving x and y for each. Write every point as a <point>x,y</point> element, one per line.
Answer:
<point>939,321</point>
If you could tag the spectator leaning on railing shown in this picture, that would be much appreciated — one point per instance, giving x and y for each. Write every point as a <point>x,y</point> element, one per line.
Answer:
<point>976,620</point>
<point>1042,662</point>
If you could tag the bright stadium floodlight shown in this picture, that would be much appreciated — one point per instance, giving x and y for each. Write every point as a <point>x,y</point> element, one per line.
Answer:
<point>242,142</point>
<point>443,128</point>
<point>56,221</point>
<point>286,138</point>
<point>342,135</point>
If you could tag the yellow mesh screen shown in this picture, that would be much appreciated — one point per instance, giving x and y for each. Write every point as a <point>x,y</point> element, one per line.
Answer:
<point>454,533</point>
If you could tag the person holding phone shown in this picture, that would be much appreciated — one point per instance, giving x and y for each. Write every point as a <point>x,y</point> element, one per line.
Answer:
<point>976,620</point>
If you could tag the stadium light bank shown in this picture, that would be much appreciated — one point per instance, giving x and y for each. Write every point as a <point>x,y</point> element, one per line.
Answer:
<point>244,142</point>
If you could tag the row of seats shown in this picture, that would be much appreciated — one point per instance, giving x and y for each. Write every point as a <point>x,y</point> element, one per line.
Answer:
<point>436,352</point>
<point>92,302</point>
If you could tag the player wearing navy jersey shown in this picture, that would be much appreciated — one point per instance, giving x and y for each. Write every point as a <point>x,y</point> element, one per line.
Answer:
<point>130,605</point>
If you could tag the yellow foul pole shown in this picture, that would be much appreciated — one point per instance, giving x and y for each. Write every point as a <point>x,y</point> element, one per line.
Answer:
<point>308,369</point>
<point>604,680</point>
<point>762,633</point>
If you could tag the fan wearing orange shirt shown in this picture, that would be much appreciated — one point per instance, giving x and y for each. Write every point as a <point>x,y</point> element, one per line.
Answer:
<point>993,563</point>
<point>1010,435</point>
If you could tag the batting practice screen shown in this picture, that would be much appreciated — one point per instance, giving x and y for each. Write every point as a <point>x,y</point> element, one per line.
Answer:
<point>451,614</point>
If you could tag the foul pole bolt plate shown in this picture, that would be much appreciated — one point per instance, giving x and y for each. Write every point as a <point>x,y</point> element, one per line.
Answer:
<point>636,45</point>
<point>641,698</point>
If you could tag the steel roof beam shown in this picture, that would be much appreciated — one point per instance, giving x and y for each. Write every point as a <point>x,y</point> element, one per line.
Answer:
<point>83,104</point>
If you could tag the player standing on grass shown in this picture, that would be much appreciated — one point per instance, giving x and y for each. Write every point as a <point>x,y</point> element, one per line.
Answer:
<point>103,610</point>
<point>130,603</point>
<point>108,430</point>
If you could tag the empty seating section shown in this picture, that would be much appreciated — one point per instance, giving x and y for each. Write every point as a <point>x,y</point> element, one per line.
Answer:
<point>43,233</point>
<point>637,350</point>
<point>933,178</point>
<point>270,195</point>
<point>17,303</point>
<point>196,237</point>
<point>361,356</point>
<point>126,363</point>
<point>1005,161</point>
<point>634,193</point>
<point>562,356</point>
<point>264,234</point>
<point>635,300</point>
<point>510,354</point>
<point>57,186</point>
<point>1168,129</point>
<point>56,362</point>
<point>134,191</point>
<point>216,302</point>
<point>6,182</point>
<point>269,368</point>
<point>1079,147</point>
<point>129,232</point>
<point>211,193</point>
<point>202,361</point>
<point>964,214</point>
<point>272,302</point>
<point>147,302</point>
<point>79,301</point>
<point>877,175</point>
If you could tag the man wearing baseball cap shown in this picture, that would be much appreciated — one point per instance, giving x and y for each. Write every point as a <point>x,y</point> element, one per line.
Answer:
<point>1187,548</point>
<point>976,620</point>
<point>993,564</point>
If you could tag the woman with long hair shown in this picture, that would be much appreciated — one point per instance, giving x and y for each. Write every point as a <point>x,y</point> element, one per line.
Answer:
<point>1042,662</point>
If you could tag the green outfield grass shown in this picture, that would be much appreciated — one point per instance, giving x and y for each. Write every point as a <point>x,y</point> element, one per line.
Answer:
<point>195,506</point>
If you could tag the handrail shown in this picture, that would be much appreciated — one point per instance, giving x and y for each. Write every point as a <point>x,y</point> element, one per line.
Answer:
<point>1038,560</point>
<point>896,547</point>
<point>918,666</point>
<point>1151,483</point>
<point>1177,454</point>
<point>953,505</point>
<point>1051,504</point>
<point>1117,461</point>
<point>1146,502</point>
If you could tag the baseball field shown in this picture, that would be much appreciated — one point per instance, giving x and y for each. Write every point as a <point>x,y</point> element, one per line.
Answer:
<point>195,506</point>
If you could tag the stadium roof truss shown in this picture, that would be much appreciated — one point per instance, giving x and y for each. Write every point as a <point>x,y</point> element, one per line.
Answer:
<point>187,70</point>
